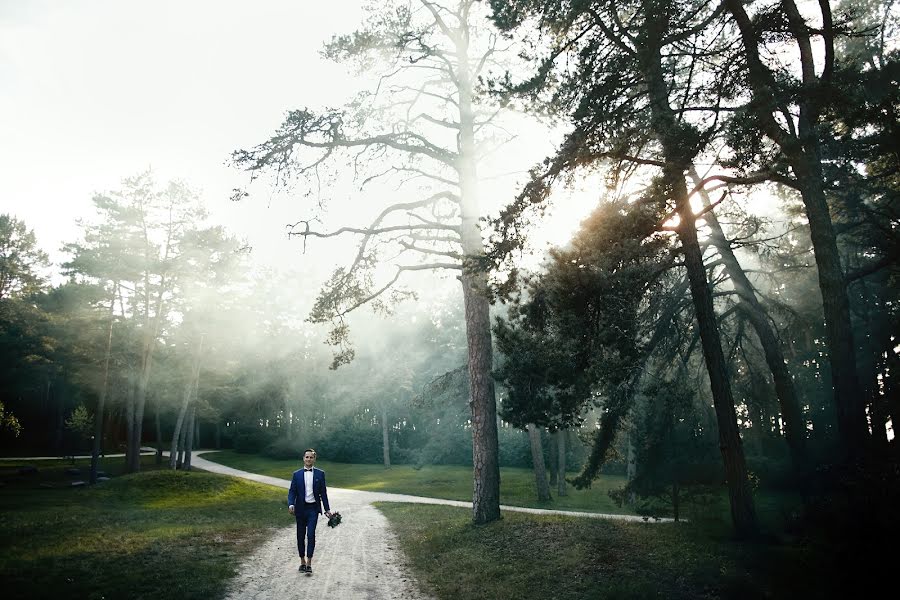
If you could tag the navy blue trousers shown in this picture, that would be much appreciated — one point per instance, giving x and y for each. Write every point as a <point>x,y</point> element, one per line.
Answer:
<point>307,518</point>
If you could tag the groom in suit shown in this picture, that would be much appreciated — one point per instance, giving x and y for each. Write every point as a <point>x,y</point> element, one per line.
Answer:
<point>306,497</point>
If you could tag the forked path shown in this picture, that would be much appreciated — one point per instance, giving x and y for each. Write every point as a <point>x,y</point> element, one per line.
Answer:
<point>359,560</point>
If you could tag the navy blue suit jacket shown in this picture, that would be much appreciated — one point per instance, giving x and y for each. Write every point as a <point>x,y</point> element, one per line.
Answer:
<point>297,491</point>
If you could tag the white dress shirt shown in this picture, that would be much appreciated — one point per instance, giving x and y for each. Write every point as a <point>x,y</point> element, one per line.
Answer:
<point>308,480</point>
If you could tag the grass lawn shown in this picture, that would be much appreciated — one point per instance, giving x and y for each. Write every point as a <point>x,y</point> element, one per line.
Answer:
<point>435,481</point>
<point>154,534</point>
<point>531,556</point>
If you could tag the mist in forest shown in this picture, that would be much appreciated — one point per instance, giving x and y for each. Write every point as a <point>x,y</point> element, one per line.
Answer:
<point>464,235</point>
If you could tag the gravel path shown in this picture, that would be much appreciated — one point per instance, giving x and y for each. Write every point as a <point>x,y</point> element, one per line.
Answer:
<point>358,560</point>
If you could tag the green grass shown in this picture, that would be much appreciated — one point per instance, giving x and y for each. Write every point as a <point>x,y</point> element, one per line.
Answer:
<point>531,556</point>
<point>154,534</point>
<point>435,481</point>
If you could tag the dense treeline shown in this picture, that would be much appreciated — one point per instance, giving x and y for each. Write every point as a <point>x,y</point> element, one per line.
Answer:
<point>154,297</point>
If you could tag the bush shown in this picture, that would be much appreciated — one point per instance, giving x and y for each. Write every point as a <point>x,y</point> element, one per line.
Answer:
<point>515,449</point>
<point>350,443</point>
<point>250,440</point>
<point>445,446</point>
<point>282,448</point>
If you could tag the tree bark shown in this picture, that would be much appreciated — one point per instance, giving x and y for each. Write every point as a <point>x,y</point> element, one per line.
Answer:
<point>485,446</point>
<point>179,456</point>
<point>537,461</point>
<point>189,440</point>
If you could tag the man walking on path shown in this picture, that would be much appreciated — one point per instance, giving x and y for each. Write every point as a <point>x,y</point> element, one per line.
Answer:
<point>306,497</point>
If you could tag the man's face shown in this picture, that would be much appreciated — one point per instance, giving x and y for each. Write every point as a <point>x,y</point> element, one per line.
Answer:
<point>309,459</point>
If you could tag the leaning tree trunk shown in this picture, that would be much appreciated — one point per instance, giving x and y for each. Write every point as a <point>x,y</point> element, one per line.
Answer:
<point>101,401</point>
<point>561,462</point>
<point>794,423</point>
<point>385,439</point>
<point>537,461</point>
<point>743,513</point>
<point>179,457</point>
<point>802,152</point>
<point>671,136</point>
<point>177,435</point>
<point>189,389</point>
<point>485,447</point>
<point>189,440</point>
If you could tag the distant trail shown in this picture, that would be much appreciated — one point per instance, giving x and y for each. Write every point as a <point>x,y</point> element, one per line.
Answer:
<point>358,560</point>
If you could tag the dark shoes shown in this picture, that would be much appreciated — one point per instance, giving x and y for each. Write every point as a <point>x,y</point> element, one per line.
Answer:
<point>302,568</point>
<point>309,569</point>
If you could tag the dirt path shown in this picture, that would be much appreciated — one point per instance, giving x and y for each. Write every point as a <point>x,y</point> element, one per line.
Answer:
<point>358,560</point>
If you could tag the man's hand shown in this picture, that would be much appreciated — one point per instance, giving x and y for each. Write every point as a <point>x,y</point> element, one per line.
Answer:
<point>291,509</point>
<point>328,513</point>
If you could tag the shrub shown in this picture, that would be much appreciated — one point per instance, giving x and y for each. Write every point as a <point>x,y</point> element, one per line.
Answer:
<point>250,440</point>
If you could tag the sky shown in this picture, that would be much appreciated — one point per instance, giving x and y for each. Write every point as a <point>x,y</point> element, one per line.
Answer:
<point>97,90</point>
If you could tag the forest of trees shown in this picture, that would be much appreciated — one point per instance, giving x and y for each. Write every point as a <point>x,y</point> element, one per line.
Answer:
<point>726,316</point>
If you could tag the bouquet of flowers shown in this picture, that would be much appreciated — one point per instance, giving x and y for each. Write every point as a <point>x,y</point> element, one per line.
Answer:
<point>335,519</point>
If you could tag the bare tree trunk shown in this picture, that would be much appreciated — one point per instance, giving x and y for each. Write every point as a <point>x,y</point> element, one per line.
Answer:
<point>561,462</point>
<point>385,438</point>
<point>189,389</point>
<point>177,434</point>
<point>485,447</point>
<point>189,440</point>
<point>537,460</point>
<point>743,511</point>
<point>101,401</point>
<point>179,457</point>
